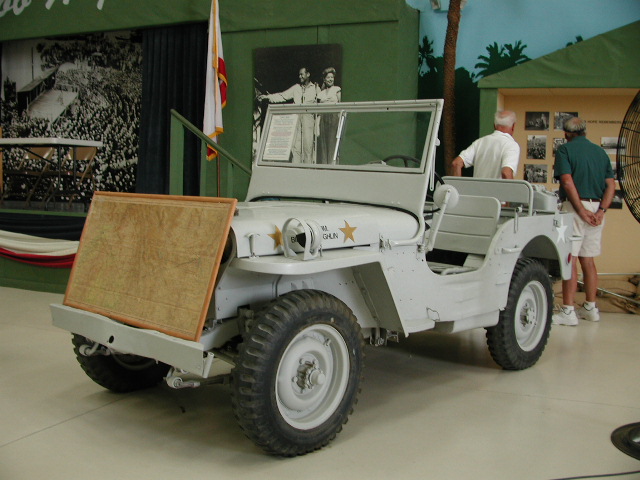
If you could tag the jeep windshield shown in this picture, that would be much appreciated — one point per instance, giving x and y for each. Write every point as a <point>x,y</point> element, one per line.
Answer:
<point>367,152</point>
<point>347,135</point>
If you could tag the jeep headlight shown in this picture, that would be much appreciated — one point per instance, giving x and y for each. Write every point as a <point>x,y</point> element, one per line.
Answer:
<point>302,235</point>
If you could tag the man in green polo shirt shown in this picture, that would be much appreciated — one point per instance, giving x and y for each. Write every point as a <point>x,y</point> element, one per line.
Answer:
<point>586,188</point>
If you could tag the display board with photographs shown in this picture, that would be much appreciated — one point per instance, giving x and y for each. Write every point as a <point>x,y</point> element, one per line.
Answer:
<point>541,148</point>
<point>536,170</point>
<point>541,151</point>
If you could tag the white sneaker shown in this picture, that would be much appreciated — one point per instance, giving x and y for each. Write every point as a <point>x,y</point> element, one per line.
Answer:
<point>564,317</point>
<point>591,314</point>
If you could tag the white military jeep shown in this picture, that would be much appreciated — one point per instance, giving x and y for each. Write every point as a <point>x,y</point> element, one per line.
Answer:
<point>351,248</point>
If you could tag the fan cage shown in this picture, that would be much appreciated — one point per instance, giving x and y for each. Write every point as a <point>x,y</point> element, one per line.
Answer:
<point>628,157</point>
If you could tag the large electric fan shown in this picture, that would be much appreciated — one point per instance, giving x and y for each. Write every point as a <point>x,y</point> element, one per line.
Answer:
<point>628,158</point>
<point>627,437</point>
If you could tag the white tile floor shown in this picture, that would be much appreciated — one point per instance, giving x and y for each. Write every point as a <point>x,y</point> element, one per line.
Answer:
<point>433,407</point>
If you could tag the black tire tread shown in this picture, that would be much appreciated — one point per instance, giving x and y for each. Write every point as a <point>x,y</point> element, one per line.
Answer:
<point>253,399</point>
<point>503,347</point>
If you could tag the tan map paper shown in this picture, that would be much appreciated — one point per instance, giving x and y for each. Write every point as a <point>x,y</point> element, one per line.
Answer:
<point>151,260</point>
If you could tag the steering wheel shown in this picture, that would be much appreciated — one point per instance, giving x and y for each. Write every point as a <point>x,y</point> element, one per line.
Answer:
<point>406,158</point>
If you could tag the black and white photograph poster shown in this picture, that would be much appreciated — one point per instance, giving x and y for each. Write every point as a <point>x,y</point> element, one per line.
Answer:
<point>536,147</point>
<point>536,121</point>
<point>534,173</point>
<point>560,117</point>
<point>306,74</point>
<point>610,145</point>
<point>556,143</point>
<point>618,200</point>
<point>86,87</point>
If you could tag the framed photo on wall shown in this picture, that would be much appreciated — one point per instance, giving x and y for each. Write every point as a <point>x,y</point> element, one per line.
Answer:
<point>556,143</point>
<point>536,147</point>
<point>536,173</point>
<point>536,121</point>
<point>618,200</point>
<point>560,117</point>
<point>610,145</point>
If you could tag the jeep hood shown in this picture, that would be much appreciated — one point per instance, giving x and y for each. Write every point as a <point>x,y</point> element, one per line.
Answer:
<point>258,227</point>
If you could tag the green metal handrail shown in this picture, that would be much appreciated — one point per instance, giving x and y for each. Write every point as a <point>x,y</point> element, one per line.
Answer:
<point>176,154</point>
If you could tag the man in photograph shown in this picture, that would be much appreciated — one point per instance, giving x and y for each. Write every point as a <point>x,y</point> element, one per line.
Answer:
<point>495,155</point>
<point>305,91</point>
<point>586,188</point>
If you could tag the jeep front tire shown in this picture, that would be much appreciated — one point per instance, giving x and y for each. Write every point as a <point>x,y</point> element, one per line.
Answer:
<point>298,373</point>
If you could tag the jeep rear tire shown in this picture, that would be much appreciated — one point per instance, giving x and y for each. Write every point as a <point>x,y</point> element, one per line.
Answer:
<point>298,373</point>
<point>519,338</point>
<point>117,372</point>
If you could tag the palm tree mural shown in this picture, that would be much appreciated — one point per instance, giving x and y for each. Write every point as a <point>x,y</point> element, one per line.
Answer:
<point>578,39</point>
<point>449,109</point>
<point>501,57</point>
<point>467,95</point>
<point>425,56</point>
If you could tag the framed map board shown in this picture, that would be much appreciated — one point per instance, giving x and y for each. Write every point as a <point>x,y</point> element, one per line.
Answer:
<point>151,260</point>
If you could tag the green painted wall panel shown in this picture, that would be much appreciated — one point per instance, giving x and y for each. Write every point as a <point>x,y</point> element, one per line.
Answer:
<point>20,19</point>
<point>30,277</point>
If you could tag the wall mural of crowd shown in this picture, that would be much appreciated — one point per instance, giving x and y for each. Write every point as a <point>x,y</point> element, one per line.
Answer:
<point>86,87</point>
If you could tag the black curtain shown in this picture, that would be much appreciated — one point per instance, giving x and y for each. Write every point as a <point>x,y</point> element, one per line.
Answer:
<point>173,77</point>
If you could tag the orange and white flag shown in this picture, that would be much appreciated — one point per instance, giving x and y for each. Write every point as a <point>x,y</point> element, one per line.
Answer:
<point>216,81</point>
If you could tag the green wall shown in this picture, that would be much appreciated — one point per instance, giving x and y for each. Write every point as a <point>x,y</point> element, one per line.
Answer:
<point>30,277</point>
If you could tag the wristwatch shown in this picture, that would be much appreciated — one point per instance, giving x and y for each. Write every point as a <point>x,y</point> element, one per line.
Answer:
<point>603,209</point>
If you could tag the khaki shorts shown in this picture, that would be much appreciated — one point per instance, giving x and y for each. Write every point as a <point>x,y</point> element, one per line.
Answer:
<point>589,245</point>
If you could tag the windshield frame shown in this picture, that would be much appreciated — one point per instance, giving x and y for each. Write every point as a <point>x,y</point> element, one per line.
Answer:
<point>343,110</point>
<point>398,187</point>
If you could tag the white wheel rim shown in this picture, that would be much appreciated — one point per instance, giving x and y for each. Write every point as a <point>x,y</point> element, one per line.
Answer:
<point>312,376</point>
<point>531,315</point>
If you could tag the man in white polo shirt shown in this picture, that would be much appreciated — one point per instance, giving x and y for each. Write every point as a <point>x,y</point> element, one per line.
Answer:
<point>495,155</point>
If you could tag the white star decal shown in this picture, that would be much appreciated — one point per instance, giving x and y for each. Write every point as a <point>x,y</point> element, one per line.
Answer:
<point>562,232</point>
